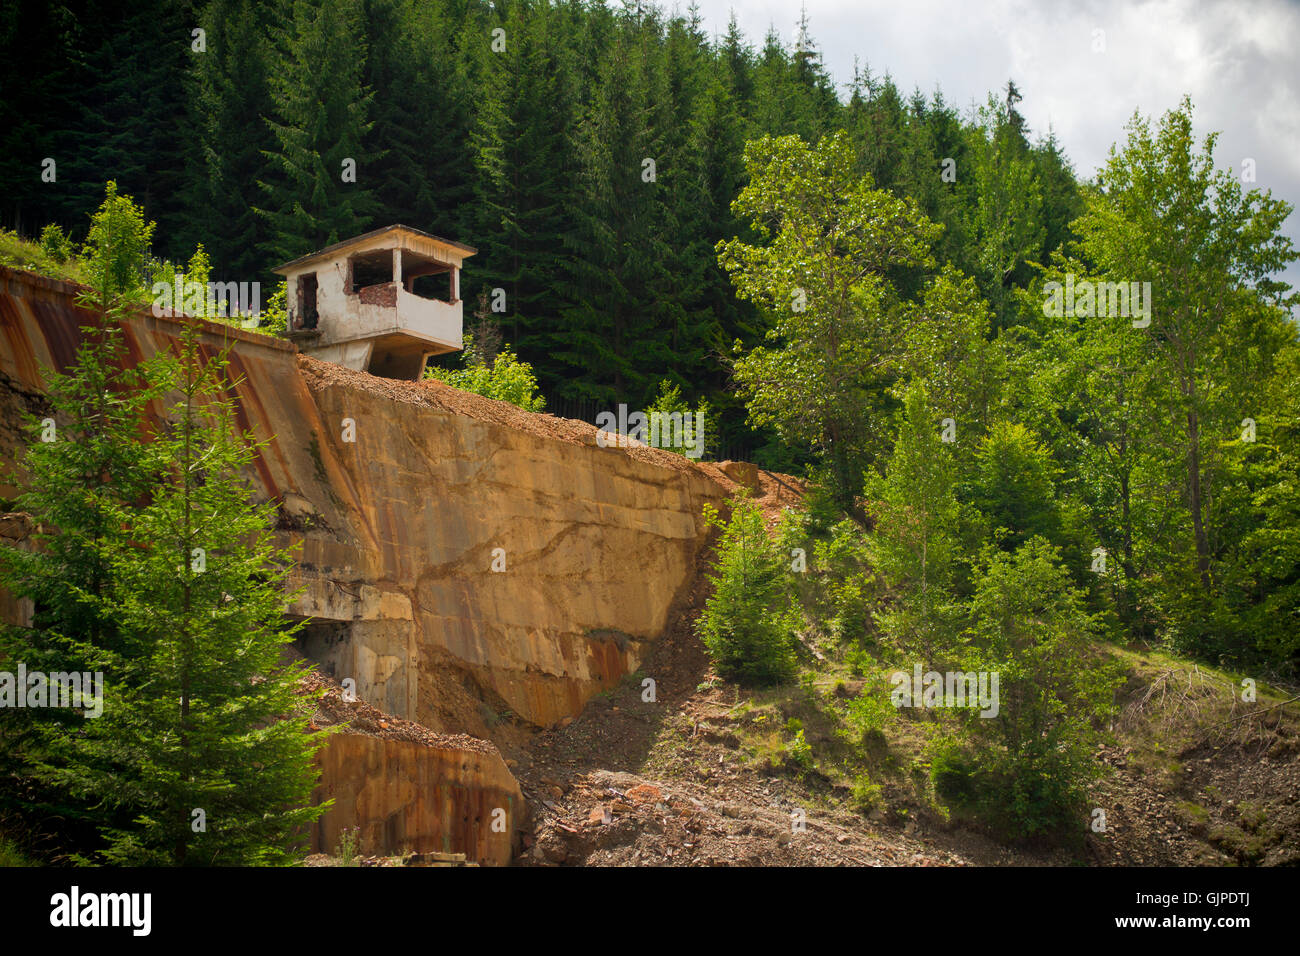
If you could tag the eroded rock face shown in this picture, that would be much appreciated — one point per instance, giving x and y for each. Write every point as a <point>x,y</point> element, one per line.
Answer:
<point>404,497</point>
<point>539,566</point>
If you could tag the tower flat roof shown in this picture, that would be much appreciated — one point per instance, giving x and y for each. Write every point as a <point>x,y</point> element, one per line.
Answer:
<point>366,238</point>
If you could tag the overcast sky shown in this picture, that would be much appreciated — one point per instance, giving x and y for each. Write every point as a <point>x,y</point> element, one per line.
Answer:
<point>1235,58</point>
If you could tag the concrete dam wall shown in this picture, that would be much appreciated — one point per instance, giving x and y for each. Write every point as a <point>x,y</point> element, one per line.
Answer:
<point>460,558</point>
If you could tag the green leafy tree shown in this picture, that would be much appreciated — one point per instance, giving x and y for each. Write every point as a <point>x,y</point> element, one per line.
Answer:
<point>829,244</point>
<point>1087,386</point>
<point>115,250</point>
<point>1166,215</point>
<point>948,350</point>
<point>916,524</point>
<point>1262,570</point>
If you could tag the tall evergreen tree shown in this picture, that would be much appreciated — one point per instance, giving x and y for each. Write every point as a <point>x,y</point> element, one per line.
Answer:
<point>231,87</point>
<point>522,145</point>
<point>156,570</point>
<point>320,189</point>
<point>618,250</point>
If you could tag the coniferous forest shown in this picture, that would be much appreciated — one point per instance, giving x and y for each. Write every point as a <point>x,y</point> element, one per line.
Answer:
<point>534,153</point>
<point>1037,410</point>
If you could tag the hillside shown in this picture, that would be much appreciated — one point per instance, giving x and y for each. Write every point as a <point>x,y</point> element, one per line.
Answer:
<point>706,773</point>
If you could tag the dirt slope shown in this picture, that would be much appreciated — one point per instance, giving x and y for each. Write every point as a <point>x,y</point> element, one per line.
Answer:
<point>1197,777</point>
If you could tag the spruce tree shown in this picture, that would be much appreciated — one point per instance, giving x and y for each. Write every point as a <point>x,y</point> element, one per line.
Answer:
<point>321,119</point>
<point>525,176</point>
<point>156,568</point>
<point>230,92</point>
<point>207,725</point>
<point>84,464</point>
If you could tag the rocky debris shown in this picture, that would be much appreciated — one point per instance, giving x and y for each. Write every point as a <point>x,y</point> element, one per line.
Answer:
<point>435,394</point>
<point>1215,805</point>
<point>408,859</point>
<point>362,718</point>
<point>774,491</point>
<point>621,819</point>
<point>16,525</point>
<point>637,783</point>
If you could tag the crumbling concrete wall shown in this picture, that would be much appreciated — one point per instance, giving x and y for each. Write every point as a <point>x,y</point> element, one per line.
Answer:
<point>406,796</point>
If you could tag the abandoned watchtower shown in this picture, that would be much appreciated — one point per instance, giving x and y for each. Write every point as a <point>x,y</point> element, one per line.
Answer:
<point>382,302</point>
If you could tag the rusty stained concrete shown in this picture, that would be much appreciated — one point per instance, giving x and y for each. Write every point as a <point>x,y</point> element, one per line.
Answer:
<point>404,796</point>
<point>397,529</point>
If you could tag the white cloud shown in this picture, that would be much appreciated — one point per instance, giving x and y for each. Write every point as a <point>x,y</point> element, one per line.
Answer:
<point>1235,60</point>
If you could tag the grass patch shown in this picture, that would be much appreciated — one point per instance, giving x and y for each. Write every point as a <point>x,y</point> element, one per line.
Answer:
<point>12,855</point>
<point>20,253</point>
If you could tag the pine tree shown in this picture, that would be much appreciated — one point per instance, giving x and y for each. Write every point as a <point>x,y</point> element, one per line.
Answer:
<point>749,621</point>
<point>84,464</point>
<point>321,120</point>
<point>39,85</point>
<point>618,250</point>
<point>524,181</point>
<point>1061,199</point>
<point>210,716</point>
<point>1036,754</point>
<point>1004,205</point>
<point>419,138</point>
<point>156,569</point>
<point>231,93</point>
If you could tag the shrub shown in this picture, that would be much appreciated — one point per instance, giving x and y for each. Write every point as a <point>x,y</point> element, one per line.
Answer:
<point>953,772</point>
<point>870,712</point>
<point>55,244</point>
<point>501,376</point>
<point>799,750</point>
<point>1032,761</point>
<point>866,796</point>
<point>116,246</point>
<point>669,401</point>
<point>748,623</point>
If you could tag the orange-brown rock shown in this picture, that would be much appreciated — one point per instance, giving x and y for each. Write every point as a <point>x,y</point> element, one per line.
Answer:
<point>461,560</point>
<point>407,796</point>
